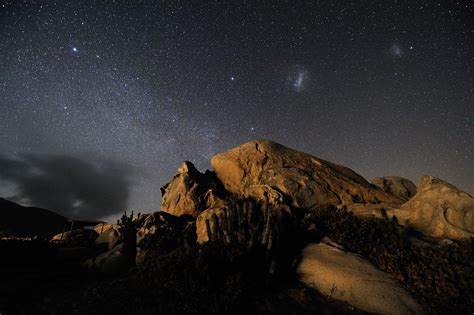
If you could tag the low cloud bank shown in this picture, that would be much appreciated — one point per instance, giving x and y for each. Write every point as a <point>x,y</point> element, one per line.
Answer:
<point>68,185</point>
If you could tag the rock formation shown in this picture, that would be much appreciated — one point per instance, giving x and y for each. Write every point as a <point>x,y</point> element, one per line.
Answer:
<point>266,170</point>
<point>243,223</point>
<point>349,277</point>
<point>398,186</point>
<point>147,226</point>
<point>438,209</point>
<point>114,261</point>
<point>115,248</point>
<point>78,237</point>
<point>104,227</point>
<point>271,173</point>
<point>190,192</point>
<point>110,238</point>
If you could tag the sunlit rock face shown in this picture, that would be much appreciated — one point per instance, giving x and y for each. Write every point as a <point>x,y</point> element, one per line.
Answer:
<point>398,186</point>
<point>190,192</point>
<point>247,224</point>
<point>266,170</point>
<point>273,174</point>
<point>79,237</point>
<point>346,276</point>
<point>104,227</point>
<point>438,209</point>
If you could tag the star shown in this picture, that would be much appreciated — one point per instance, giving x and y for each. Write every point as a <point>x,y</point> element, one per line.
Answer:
<point>149,77</point>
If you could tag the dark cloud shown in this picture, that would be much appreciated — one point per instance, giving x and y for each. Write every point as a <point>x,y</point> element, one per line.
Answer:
<point>68,185</point>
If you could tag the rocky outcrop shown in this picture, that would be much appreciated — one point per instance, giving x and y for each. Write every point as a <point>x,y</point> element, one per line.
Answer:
<point>398,186</point>
<point>271,173</point>
<point>147,226</point>
<point>348,277</point>
<point>114,261</point>
<point>110,238</point>
<point>190,192</point>
<point>438,210</point>
<point>104,227</point>
<point>268,171</point>
<point>246,223</point>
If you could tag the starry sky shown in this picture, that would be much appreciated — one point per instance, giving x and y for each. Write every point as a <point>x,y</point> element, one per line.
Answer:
<point>102,100</point>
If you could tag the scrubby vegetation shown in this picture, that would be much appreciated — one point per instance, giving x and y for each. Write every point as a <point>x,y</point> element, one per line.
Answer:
<point>180,276</point>
<point>442,276</point>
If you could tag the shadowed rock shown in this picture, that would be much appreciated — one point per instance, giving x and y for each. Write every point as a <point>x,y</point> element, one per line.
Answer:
<point>398,186</point>
<point>110,238</point>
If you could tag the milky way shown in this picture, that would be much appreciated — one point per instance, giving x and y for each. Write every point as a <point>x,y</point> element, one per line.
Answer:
<point>384,88</point>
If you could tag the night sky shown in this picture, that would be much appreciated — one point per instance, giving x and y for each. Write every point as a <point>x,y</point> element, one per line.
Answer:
<point>102,100</point>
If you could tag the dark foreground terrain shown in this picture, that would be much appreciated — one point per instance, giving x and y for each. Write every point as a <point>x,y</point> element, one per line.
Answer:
<point>179,276</point>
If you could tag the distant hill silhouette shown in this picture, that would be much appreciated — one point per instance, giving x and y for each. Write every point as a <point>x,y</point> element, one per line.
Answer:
<point>28,221</point>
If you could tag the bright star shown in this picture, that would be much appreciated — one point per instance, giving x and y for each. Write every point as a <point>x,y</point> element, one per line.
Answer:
<point>232,78</point>
<point>74,49</point>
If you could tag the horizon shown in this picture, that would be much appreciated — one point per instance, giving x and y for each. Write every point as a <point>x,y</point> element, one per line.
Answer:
<point>115,216</point>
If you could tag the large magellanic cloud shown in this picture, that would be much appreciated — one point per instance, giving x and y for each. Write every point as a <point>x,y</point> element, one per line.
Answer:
<point>68,185</point>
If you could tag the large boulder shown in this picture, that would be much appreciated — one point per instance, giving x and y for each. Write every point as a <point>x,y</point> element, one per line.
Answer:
<point>104,227</point>
<point>268,171</point>
<point>248,223</point>
<point>77,237</point>
<point>110,238</point>
<point>190,192</point>
<point>147,226</point>
<point>348,277</point>
<point>114,261</point>
<point>439,210</point>
<point>398,186</point>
